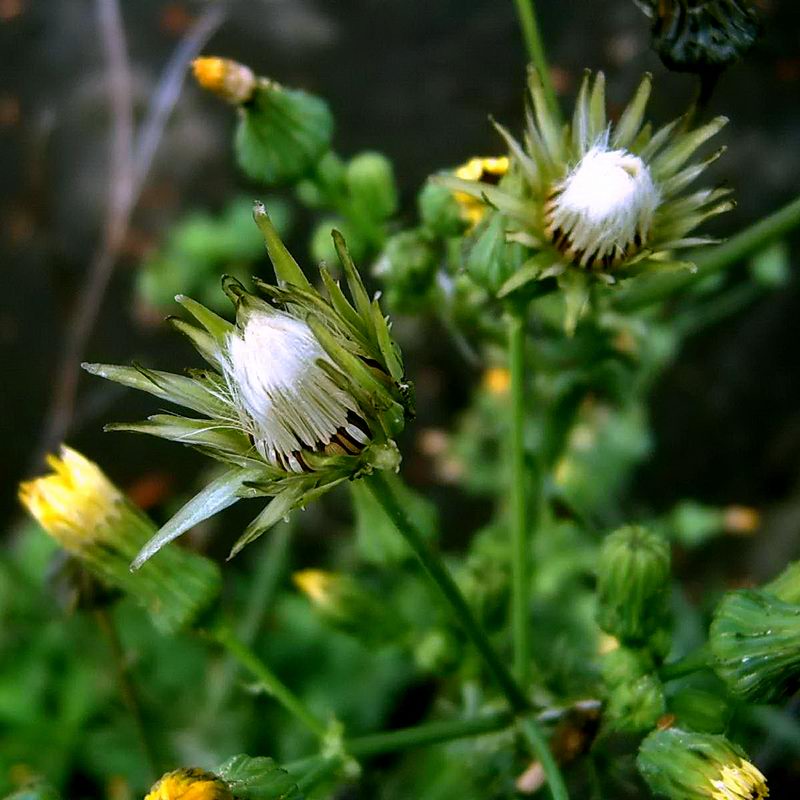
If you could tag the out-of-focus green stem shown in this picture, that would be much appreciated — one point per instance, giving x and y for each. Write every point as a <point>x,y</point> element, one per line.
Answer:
<point>535,46</point>
<point>251,662</point>
<point>520,528</point>
<point>535,737</point>
<point>439,575</point>
<point>644,292</point>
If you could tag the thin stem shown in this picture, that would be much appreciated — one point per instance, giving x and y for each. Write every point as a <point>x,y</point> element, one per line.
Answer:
<point>713,259</point>
<point>535,46</point>
<point>251,662</point>
<point>533,733</point>
<point>694,662</point>
<point>437,572</point>
<point>127,689</point>
<point>520,529</point>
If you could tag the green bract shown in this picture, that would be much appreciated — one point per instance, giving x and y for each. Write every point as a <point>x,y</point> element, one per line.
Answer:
<point>755,643</point>
<point>305,390</point>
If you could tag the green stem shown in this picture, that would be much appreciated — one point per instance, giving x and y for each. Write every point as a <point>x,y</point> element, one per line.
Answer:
<point>437,572</point>
<point>535,46</point>
<point>250,661</point>
<point>713,259</point>
<point>694,662</point>
<point>127,688</point>
<point>541,749</point>
<point>520,529</point>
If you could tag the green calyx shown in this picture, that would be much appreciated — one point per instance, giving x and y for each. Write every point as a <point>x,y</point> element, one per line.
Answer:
<point>755,643</point>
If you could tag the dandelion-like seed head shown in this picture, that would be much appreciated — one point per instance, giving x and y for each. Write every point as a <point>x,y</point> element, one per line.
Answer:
<point>73,502</point>
<point>602,212</point>
<point>286,399</point>
<point>739,781</point>
<point>189,784</point>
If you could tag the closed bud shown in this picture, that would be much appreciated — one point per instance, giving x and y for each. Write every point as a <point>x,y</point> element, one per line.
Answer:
<point>189,784</point>
<point>755,644</point>
<point>698,35</point>
<point>94,522</point>
<point>282,133</point>
<point>491,259</point>
<point>348,605</point>
<point>440,212</point>
<point>633,584</point>
<point>371,185</point>
<point>636,705</point>
<point>623,665</point>
<point>407,269</point>
<point>683,765</point>
<point>227,79</point>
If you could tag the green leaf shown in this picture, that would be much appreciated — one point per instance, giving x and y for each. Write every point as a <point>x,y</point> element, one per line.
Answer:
<point>258,778</point>
<point>216,496</point>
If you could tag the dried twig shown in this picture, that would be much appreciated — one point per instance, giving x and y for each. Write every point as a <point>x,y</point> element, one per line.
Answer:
<point>127,175</point>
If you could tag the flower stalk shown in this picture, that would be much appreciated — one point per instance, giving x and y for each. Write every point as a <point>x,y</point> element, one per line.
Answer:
<point>235,647</point>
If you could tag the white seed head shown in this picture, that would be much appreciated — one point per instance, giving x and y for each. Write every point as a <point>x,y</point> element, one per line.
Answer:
<point>286,400</point>
<point>603,210</point>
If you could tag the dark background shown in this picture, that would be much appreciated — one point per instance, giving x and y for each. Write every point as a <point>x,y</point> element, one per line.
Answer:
<point>416,80</point>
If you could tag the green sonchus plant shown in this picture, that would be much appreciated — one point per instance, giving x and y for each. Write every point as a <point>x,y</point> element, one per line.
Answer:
<point>304,391</point>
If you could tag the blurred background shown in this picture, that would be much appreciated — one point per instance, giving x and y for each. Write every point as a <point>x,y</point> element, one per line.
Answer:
<point>417,81</point>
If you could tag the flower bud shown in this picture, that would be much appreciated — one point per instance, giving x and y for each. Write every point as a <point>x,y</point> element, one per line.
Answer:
<point>346,604</point>
<point>491,260</point>
<point>633,584</point>
<point>282,133</point>
<point>636,705</point>
<point>755,643</point>
<point>681,765</point>
<point>227,79</point>
<point>189,784</point>
<point>440,212</point>
<point>623,665</point>
<point>93,521</point>
<point>370,181</point>
<point>407,268</point>
<point>692,36</point>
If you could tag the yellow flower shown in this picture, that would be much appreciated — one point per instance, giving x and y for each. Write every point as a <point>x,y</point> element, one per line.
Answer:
<point>73,503</point>
<point>189,784</point>
<point>740,782</point>
<point>486,169</point>
<point>227,79</point>
<point>497,380</point>
<point>315,584</point>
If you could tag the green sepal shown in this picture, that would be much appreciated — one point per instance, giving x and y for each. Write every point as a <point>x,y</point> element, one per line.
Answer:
<point>193,432</point>
<point>176,389</point>
<point>389,350</point>
<point>287,270</point>
<point>258,778</point>
<point>277,508</point>
<point>354,282</point>
<point>218,327</point>
<point>211,499</point>
<point>282,134</point>
<point>339,302</point>
<point>203,342</point>
<point>531,270</point>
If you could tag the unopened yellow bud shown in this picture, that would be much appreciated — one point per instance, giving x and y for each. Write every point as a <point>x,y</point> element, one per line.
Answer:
<point>741,520</point>
<point>315,584</point>
<point>497,380</point>
<point>227,79</point>
<point>189,784</point>
<point>485,169</point>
